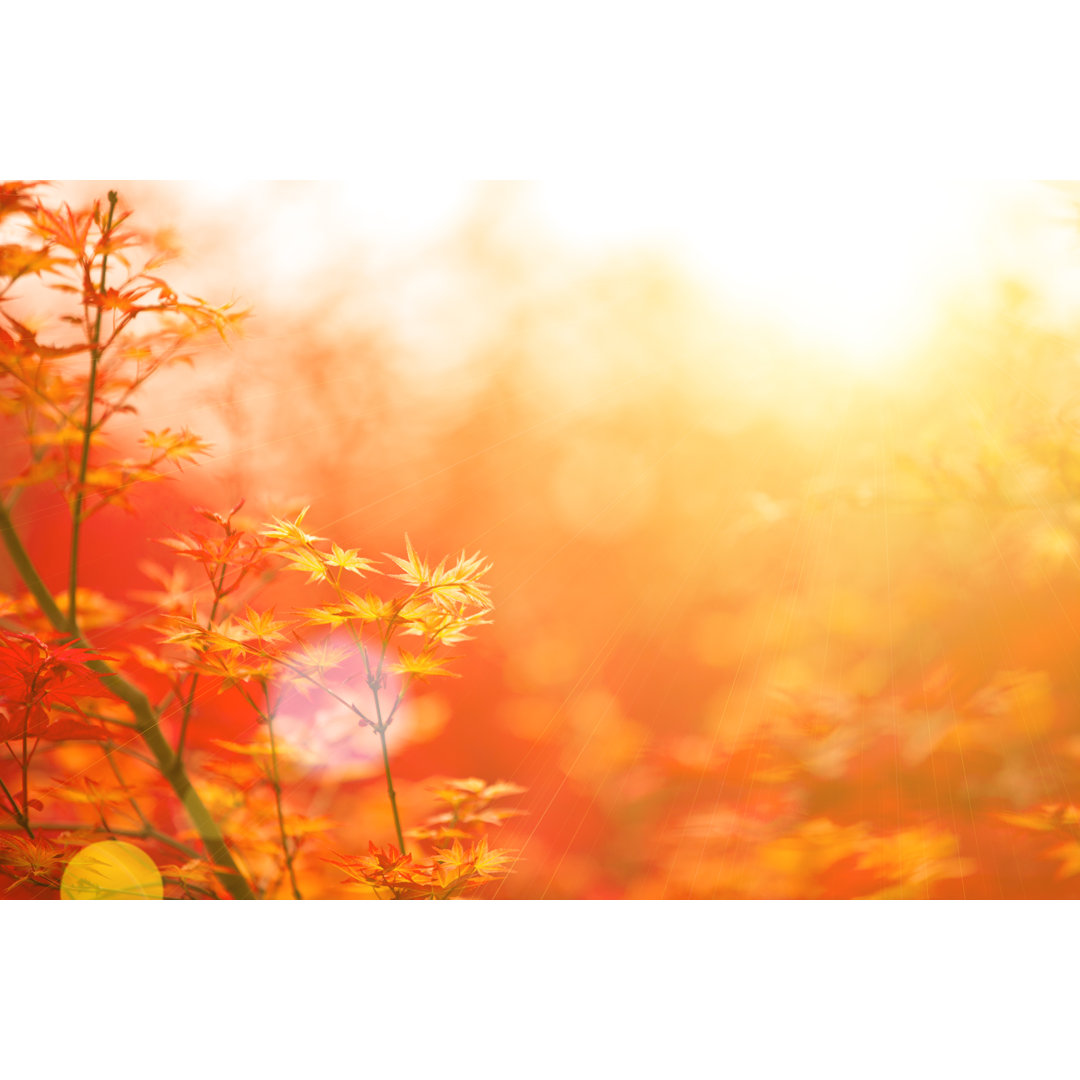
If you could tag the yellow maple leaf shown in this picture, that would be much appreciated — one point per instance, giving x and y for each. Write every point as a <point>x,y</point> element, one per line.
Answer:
<point>262,625</point>
<point>290,531</point>
<point>309,560</point>
<point>348,560</point>
<point>421,666</point>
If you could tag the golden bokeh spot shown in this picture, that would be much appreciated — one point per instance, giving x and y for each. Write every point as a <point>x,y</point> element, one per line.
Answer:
<point>111,870</point>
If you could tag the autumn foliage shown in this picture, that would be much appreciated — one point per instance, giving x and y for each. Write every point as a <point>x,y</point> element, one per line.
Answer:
<point>96,740</point>
<point>760,634</point>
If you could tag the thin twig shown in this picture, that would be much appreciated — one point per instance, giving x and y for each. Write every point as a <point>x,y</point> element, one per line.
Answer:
<point>186,715</point>
<point>84,460</point>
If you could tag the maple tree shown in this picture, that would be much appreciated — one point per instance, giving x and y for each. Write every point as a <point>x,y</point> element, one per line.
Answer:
<point>106,732</point>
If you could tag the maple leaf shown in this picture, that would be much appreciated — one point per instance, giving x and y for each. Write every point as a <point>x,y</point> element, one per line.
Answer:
<point>448,588</point>
<point>438,624</point>
<point>461,868</point>
<point>490,863</point>
<point>29,347</point>
<point>387,869</point>
<point>16,197</point>
<point>420,666</point>
<point>261,626</point>
<point>178,446</point>
<point>233,667</point>
<point>63,226</point>
<point>309,560</point>
<point>416,571</point>
<point>469,802</point>
<point>290,531</point>
<point>320,656</point>
<point>34,861</point>
<point>227,636</point>
<point>197,873</point>
<point>15,261</point>
<point>204,316</point>
<point>35,678</point>
<point>349,560</point>
<point>237,551</point>
<point>330,615</point>
<point>176,589</point>
<point>185,630</point>
<point>367,608</point>
<point>224,521</point>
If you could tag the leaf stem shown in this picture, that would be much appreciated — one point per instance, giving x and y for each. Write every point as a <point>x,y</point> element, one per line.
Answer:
<point>88,428</point>
<point>186,715</point>
<point>276,783</point>
<point>25,764</point>
<point>381,729</point>
<point>108,749</point>
<point>280,813</point>
<point>16,812</point>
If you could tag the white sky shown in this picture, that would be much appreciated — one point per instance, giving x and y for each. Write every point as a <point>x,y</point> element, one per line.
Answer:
<point>858,266</point>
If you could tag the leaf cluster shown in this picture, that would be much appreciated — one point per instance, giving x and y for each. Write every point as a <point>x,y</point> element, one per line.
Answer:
<point>226,807</point>
<point>125,333</point>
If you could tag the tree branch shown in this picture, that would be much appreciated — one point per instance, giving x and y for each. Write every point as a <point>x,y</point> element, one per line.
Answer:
<point>146,721</point>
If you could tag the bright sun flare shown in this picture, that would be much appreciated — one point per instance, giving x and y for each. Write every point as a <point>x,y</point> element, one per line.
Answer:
<point>855,269</point>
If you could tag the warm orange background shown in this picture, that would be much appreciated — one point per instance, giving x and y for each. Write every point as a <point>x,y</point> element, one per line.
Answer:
<point>766,623</point>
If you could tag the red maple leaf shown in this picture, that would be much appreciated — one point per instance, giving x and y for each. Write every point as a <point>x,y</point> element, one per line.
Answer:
<point>36,679</point>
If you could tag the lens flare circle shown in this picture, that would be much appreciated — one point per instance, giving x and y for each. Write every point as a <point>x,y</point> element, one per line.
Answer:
<point>111,870</point>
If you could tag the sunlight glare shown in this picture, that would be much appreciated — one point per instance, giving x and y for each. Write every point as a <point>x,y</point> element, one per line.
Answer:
<point>855,269</point>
